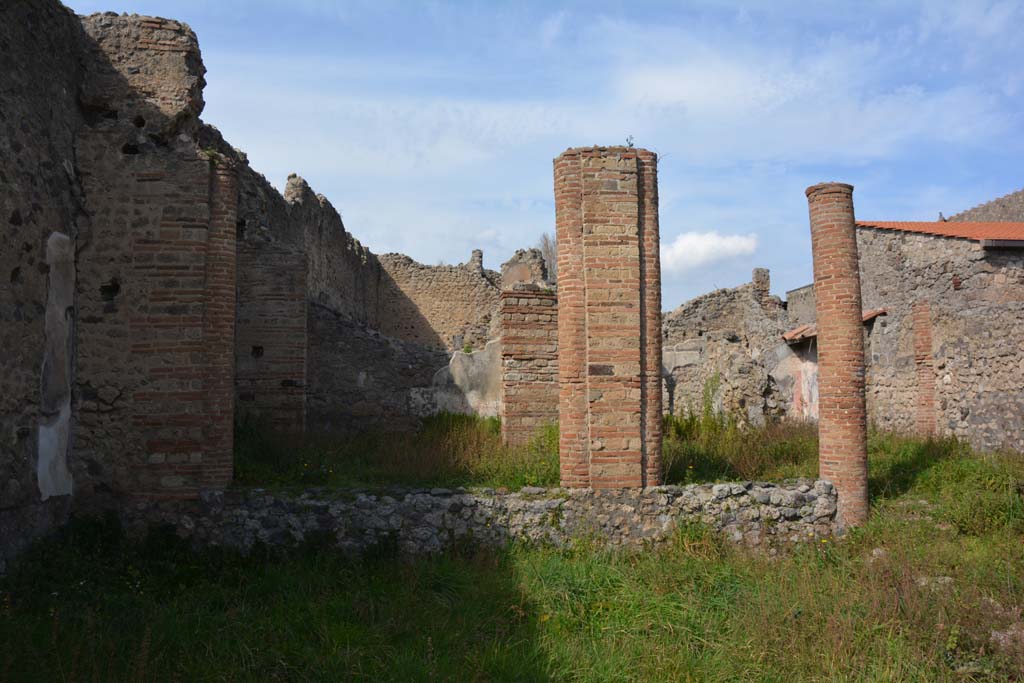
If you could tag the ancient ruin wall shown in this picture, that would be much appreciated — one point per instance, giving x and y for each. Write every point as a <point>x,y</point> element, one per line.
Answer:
<point>726,348</point>
<point>529,355</point>
<point>359,379</point>
<point>609,325</point>
<point>40,201</point>
<point>974,300</point>
<point>439,306</point>
<point>156,280</point>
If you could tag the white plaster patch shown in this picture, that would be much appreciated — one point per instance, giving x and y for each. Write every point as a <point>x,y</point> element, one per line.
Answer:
<point>52,465</point>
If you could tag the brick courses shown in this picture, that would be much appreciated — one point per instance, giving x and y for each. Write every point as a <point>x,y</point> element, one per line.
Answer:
<point>609,330</point>
<point>529,362</point>
<point>924,414</point>
<point>842,422</point>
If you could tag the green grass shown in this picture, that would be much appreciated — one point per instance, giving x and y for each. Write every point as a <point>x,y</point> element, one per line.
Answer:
<point>873,606</point>
<point>449,450</point>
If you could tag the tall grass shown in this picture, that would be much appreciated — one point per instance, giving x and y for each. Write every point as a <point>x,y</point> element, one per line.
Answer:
<point>911,596</point>
<point>710,446</point>
<point>448,450</point>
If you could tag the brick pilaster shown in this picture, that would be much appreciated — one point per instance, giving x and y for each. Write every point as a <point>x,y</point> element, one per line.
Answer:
<point>842,423</point>
<point>219,328</point>
<point>924,413</point>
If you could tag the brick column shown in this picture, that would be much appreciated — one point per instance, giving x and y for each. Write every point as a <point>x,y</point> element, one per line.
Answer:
<point>924,414</point>
<point>842,422</point>
<point>609,332</point>
<point>219,328</point>
<point>529,361</point>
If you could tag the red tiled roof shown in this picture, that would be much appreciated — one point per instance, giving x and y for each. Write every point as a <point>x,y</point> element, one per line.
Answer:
<point>970,230</point>
<point>809,330</point>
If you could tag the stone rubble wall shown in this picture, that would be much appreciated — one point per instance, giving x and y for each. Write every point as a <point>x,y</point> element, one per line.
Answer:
<point>359,379</point>
<point>726,347</point>
<point>975,303</point>
<point>418,521</point>
<point>40,201</point>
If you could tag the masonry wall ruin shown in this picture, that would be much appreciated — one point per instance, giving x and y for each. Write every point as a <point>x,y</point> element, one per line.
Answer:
<point>724,351</point>
<point>447,307</point>
<point>953,330</point>
<point>40,200</point>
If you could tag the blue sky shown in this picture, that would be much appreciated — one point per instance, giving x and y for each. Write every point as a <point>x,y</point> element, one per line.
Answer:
<point>431,126</point>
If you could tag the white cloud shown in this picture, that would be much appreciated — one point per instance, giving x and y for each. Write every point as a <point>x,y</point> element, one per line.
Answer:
<point>694,249</point>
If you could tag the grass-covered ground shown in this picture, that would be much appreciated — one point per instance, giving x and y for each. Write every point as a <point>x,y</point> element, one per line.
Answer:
<point>915,595</point>
<point>463,450</point>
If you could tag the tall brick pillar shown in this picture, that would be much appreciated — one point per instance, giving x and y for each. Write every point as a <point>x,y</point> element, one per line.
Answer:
<point>609,317</point>
<point>219,328</point>
<point>842,421</point>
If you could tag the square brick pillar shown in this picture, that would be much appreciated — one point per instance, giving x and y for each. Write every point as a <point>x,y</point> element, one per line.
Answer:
<point>529,361</point>
<point>842,421</point>
<point>609,322</point>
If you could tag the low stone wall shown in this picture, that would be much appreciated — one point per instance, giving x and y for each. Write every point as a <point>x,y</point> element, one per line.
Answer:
<point>418,521</point>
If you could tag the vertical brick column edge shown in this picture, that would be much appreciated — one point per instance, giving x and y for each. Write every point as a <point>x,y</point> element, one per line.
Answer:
<point>219,328</point>
<point>842,424</point>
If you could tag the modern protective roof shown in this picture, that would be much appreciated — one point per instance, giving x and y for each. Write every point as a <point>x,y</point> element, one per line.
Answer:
<point>810,330</point>
<point>971,230</point>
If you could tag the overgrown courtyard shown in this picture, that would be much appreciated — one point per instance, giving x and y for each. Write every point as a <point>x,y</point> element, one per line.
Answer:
<point>931,589</point>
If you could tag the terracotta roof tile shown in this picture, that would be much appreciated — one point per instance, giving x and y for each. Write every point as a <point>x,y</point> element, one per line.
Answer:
<point>971,230</point>
<point>810,330</point>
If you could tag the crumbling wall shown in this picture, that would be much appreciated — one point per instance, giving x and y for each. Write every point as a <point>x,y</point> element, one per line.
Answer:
<point>526,266</point>
<point>975,303</point>
<point>445,307</point>
<point>726,348</point>
<point>156,266</point>
<point>40,213</point>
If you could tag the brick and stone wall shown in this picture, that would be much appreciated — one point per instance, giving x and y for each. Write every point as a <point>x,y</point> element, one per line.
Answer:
<point>529,355</point>
<point>765,516</point>
<point>971,301</point>
<point>445,307</point>
<point>157,266</point>
<point>842,415</point>
<point>121,258</point>
<point>359,379</point>
<point>609,323</point>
